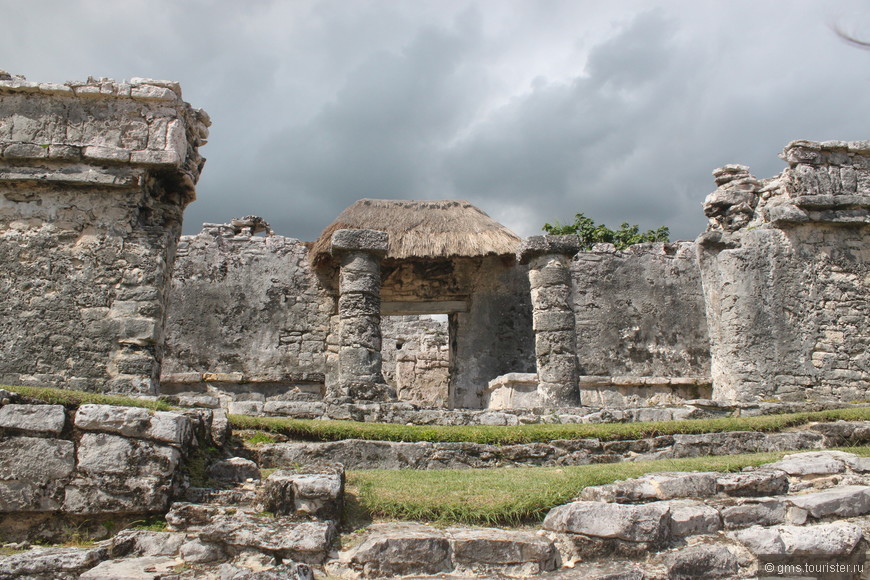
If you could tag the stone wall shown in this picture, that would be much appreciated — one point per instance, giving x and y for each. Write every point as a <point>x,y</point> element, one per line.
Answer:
<point>494,336</point>
<point>95,463</point>
<point>416,358</point>
<point>640,312</point>
<point>787,279</point>
<point>94,177</point>
<point>246,308</point>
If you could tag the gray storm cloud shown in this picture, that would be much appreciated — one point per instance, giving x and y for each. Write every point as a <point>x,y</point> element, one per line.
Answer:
<point>533,111</point>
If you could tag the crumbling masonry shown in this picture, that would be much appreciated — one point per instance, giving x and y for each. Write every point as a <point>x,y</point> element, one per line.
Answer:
<point>770,303</point>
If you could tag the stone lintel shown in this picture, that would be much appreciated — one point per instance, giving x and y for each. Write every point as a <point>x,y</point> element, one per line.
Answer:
<point>535,246</point>
<point>368,241</point>
<point>414,308</point>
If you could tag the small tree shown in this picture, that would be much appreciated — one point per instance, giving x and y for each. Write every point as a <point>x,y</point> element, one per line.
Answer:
<point>591,233</point>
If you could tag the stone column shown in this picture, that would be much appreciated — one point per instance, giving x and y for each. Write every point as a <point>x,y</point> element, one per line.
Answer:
<point>359,311</point>
<point>549,261</point>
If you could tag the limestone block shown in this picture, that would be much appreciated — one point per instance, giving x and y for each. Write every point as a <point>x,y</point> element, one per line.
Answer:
<point>36,459</point>
<point>485,547</point>
<point>142,568</point>
<point>758,482</point>
<point>361,304</point>
<point>165,426</point>
<point>657,486</point>
<point>633,523</point>
<point>127,421</point>
<point>534,246</point>
<point>399,549</point>
<point>198,552</point>
<point>846,501</point>
<point>549,277</point>
<point>33,473</point>
<point>372,241</point>
<point>51,562</point>
<point>37,418</point>
<point>170,427</point>
<point>114,494</point>
<point>357,281</point>
<point>755,512</point>
<point>234,470</point>
<point>132,542</point>
<point>301,541</point>
<point>812,463</point>
<point>691,518</point>
<point>317,492</point>
<point>838,539</point>
<point>552,320</point>
<point>245,408</point>
<point>105,454</point>
<point>702,562</point>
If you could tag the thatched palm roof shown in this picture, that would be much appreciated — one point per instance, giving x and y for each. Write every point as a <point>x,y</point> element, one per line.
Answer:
<point>423,229</point>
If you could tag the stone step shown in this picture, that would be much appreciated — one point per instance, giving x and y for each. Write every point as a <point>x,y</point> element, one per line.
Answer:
<point>398,549</point>
<point>242,496</point>
<point>368,454</point>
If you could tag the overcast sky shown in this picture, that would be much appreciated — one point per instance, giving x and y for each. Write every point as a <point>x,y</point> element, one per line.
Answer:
<point>532,110</point>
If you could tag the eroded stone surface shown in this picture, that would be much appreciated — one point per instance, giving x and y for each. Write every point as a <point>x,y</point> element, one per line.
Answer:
<point>49,419</point>
<point>633,523</point>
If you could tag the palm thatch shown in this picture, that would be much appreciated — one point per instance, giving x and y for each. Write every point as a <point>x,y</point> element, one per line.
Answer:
<point>423,229</point>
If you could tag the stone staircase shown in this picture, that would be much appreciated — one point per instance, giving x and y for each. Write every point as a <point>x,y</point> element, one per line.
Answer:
<point>805,516</point>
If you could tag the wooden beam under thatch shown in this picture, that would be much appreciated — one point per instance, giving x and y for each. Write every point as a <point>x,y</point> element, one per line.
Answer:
<point>423,229</point>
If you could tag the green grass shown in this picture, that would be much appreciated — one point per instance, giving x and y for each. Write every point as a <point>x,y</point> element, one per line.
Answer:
<point>151,524</point>
<point>506,496</point>
<point>315,430</point>
<point>70,398</point>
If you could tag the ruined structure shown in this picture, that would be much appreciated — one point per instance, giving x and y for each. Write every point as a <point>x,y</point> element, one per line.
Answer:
<point>767,311</point>
<point>94,178</point>
<point>787,279</point>
<point>769,303</point>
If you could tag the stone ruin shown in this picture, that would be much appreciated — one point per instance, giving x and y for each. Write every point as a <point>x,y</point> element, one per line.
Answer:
<point>101,293</point>
<point>411,312</point>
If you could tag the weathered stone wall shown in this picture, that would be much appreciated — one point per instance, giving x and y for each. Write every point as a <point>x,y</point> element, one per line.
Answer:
<point>93,180</point>
<point>640,312</point>
<point>495,336</point>
<point>787,278</point>
<point>98,460</point>
<point>246,308</point>
<point>416,359</point>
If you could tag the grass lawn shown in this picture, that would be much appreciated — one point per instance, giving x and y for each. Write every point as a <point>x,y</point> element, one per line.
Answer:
<point>507,496</point>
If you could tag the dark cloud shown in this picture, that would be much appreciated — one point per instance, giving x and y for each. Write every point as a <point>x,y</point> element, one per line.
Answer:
<point>531,110</point>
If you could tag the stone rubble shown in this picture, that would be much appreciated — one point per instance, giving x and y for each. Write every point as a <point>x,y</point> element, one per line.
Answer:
<point>812,505</point>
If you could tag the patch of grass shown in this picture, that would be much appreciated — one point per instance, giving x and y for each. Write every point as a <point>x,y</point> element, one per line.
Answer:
<point>506,496</point>
<point>72,399</point>
<point>315,430</point>
<point>152,524</point>
<point>11,551</point>
<point>256,437</point>
<point>197,465</point>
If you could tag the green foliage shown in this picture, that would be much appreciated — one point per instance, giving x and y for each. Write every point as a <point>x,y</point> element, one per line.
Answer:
<point>508,496</point>
<point>591,233</point>
<point>316,430</point>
